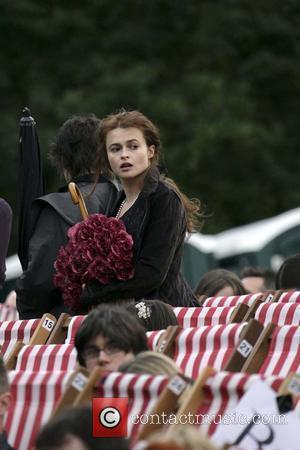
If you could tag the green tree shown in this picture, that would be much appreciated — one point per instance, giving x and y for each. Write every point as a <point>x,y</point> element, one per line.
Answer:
<point>221,80</point>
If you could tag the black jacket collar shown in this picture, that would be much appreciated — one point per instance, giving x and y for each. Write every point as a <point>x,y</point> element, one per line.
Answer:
<point>88,178</point>
<point>150,185</point>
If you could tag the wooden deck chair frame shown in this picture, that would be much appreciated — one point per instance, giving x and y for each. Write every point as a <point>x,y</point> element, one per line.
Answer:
<point>239,313</point>
<point>166,342</point>
<point>89,391</point>
<point>39,337</point>
<point>167,403</point>
<point>260,351</point>
<point>254,307</point>
<point>60,331</point>
<point>193,398</point>
<point>244,347</point>
<point>80,385</point>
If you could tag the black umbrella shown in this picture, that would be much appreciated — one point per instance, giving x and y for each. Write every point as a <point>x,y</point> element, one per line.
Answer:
<point>31,182</point>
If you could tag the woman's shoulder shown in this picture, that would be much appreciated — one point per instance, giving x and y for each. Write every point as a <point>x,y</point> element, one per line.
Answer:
<point>166,192</point>
<point>166,201</point>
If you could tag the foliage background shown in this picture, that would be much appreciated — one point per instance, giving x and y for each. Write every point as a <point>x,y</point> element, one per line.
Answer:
<point>220,78</point>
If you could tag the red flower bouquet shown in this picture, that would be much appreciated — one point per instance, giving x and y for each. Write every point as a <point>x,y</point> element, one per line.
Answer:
<point>99,248</point>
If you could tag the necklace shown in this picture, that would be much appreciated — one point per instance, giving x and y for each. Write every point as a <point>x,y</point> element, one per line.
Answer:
<point>120,208</point>
<point>122,205</point>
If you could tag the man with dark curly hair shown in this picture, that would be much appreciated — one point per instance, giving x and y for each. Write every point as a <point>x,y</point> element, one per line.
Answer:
<point>108,337</point>
<point>74,154</point>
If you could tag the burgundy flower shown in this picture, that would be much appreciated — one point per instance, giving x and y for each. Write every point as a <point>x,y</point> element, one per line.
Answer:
<point>99,248</point>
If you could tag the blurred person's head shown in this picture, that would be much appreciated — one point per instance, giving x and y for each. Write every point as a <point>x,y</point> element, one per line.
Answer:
<point>288,275</point>
<point>258,279</point>
<point>183,437</point>
<point>5,396</point>
<point>72,429</point>
<point>151,363</point>
<point>153,314</point>
<point>76,147</point>
<point>220,282</point>
<point>109,337</point>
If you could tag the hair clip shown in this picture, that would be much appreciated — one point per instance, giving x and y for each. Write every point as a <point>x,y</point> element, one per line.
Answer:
<point>143,311</point>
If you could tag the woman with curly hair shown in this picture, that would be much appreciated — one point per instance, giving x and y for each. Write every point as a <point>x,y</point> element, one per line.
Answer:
<point>154,210</point>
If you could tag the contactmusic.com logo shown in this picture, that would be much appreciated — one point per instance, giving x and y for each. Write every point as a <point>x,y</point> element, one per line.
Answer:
<point>110,417</point>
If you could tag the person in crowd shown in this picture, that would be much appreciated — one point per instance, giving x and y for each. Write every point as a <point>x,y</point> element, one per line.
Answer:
<point>5,399</point>
<point>155,212</point>
<point>72,429</point>
<point>182,437</point>
<point>258,279</point>
<point>153,314</point>
<point>219,282</point>
<point>288,275</point>
<point>5,228</point>
<point>152,363</point>
<point>108,337</point>
<point>73,153</point>
<point>11,300</point>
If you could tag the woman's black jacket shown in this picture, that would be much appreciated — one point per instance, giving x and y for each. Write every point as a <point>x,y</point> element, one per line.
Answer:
<point>157,223</point>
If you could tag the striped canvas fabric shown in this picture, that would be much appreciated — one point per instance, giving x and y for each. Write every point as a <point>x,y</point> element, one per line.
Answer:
<point>197,317</point>
<point>279,313</point>
<point>289,297</point>
<point>197,348</point>
<point>232,300</point>
<point>73,327</point>
<point>58,357</point>
<point>17,330</point>
<point>34,396</point>
<point>142,392</point>
<point>284,352</point>
<point>153,338</point>
<point>222,391</point>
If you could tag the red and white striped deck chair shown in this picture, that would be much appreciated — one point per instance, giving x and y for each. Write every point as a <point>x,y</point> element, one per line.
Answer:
<point>232,300</point>
<point>153,338</point>
<point>197,348</point>
<point>57,357</point>
<point>73,327</point>
<point>290,297</point>
<point>284,352</point>
<point>17,330</point>
<point>142,392</point>
<point>197,317</point>
<point>278,313</point>
<point>221,392</point>
<point>34,396</point>
<point>8,313</point>
<point>61,357</point>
